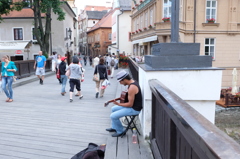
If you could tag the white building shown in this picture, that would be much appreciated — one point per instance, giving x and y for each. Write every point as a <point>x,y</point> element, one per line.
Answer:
<point>17,39</point>
<point>121,28</point>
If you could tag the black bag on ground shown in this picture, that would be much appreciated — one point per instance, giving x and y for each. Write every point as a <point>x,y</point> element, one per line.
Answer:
<point>93,151</point>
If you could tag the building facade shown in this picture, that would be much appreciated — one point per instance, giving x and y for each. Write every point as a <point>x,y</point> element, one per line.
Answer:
<point>121,27</point>
<point>86,20</point>
<point>99,36</point>
<point>17,39</point>
<point>212,23</point>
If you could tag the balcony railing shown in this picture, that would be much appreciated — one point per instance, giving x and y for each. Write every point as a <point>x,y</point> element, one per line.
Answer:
<point>144,3</point>
<point>179,131</point>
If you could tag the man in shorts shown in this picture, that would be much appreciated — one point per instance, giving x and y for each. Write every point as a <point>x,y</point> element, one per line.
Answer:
<point>40,63</point>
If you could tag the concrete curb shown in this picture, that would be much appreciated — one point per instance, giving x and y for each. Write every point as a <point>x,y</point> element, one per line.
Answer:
<point>29,79</point>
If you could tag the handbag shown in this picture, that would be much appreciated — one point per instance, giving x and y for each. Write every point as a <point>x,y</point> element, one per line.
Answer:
<point>58,74</point>
<point>96,77</point>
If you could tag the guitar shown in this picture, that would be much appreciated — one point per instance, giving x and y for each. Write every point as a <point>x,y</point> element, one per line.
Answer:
<point>122,98</point>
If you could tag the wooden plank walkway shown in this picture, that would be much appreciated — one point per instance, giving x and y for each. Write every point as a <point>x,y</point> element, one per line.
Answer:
<point>42,124</point>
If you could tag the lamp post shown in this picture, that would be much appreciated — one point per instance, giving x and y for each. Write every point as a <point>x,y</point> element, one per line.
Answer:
<point>70,33</point>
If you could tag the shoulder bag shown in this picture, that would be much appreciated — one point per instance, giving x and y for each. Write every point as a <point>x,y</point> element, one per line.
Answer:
<point>96,77</point>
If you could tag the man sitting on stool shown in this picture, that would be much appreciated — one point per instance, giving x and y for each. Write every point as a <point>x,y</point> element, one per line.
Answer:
<point>132,104</point>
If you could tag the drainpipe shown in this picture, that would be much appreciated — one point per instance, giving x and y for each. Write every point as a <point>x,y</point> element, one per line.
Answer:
<point>194,25</point>
<point>118,29</point>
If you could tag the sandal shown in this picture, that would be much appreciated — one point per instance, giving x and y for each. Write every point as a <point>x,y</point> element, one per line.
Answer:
<point>10,100</point>
<point>7,100</point>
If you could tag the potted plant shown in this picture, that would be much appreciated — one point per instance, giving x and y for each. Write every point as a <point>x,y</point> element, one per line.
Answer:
<point>166,19</point>
<point>140,30</point>
<point>141,1</point>
<point>211,20</point>
<point>150,26</point>
<point>136,31</point>
<point>133,7</point>
<point>144,28</point>
<point>133,32</point>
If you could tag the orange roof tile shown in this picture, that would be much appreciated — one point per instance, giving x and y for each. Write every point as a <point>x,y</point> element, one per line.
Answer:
<point>24,13</point>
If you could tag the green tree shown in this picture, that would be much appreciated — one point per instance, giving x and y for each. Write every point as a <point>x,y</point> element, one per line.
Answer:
<point>41,8</point>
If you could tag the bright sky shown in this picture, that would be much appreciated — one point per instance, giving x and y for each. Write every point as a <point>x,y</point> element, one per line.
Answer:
<point>82,3</point>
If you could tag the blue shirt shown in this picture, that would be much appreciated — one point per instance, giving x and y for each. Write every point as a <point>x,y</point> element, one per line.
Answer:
<point>11,65</point>
<point>40,61</point>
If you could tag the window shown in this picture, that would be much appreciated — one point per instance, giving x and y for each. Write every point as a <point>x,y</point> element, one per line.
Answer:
<point>141,21</point>
<point>181,11</point>
<point>93,22</point>
<point>110,36</point>
<point>211,9</point>
<point>138,23</point>
<point>167,8</point>
<point>151,16</point>
<point>210,47</point>
<point>146,19</point>
<point>33,36</point>
<point>18,33</point>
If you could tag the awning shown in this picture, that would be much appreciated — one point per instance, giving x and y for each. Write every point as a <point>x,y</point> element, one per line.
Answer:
<point>14,45</point>
<point>151,38</point>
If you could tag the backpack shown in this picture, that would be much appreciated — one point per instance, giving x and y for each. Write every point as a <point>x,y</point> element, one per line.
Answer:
<point>112,63</point>
<point>93,151</point>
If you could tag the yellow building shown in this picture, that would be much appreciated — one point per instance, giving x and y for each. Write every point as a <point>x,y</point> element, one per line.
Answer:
<point>215,24</point>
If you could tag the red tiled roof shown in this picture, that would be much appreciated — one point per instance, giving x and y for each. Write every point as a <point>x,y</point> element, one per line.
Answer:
<point>105,22</point>
<point>24,13</point>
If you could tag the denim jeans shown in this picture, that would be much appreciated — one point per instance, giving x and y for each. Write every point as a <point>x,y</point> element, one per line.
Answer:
<point>64,82</point>
<point>7,81</point>
<point>117,113</point>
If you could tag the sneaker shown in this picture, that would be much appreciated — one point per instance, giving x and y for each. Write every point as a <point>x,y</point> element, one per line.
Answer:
<point>97,94</point>
<point>40,81</point>
<point>81,97</point>
<point>62,94</point>
<point>71,100</point>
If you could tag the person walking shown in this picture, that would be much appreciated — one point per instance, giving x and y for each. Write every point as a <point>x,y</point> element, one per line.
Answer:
<point>75,76</point>
<point>95,61</point>
<point>58,61</point>
<point>116,62</point>
<point>112,65</point>
<point>62,70</point>
<point>6,76</point>
<point>85,60</point>
<point>39,65</point>
<point>102,70</point>
<point>54,59</point>
<point>90,60</point>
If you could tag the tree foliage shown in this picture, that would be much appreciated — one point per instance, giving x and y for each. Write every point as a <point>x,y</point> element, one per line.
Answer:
<point>6,6</point>
<point>42,17</point>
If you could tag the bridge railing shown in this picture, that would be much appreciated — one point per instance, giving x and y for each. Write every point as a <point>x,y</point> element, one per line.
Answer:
<point>179,131</point>
<point>25,68</point>
<point>134,69</point>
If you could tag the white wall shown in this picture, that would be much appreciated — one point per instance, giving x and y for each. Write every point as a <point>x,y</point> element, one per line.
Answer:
<point>199,88</point>
<point>6,34</point>
<point>124,29</point>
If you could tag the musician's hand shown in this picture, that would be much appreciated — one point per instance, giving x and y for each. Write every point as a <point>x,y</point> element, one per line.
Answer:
<point>115,102</point>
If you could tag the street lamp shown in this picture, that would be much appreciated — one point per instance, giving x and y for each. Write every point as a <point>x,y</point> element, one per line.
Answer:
<point>70,33</point>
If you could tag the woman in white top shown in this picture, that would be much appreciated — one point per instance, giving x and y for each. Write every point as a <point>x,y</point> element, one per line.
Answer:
<point>58,61</point>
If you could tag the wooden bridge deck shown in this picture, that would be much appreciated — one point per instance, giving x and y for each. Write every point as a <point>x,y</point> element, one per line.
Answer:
<point>42,124</point>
